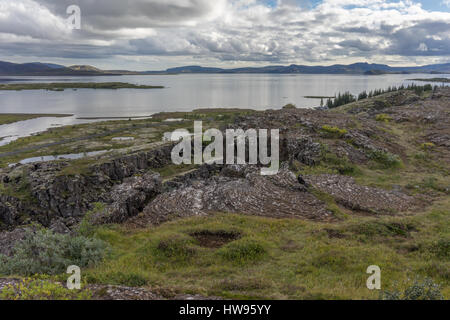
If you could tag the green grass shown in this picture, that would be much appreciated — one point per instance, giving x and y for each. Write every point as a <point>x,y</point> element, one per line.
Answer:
<point>279,259</point>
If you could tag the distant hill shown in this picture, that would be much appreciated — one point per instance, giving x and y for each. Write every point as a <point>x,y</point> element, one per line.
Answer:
<point>356,68</point>
<point>50,65</point>
<point>48,69</point>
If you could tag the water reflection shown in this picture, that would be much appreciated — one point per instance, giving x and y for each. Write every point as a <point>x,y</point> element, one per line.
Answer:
<point>72,156</point>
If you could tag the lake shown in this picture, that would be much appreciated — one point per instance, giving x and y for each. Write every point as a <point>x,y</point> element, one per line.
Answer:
<point>182,93</point>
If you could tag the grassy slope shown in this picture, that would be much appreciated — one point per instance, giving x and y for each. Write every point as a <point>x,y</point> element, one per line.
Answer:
<point>291,259</point>
<point>299,259</point>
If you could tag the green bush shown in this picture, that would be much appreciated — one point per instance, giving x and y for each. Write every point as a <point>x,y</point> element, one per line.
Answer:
<point>427,146</point>
<point>385,159</point>
<point>383,118</point>
<point>44,252</point>
<point>334,131</point>
<point>340,164</point>
<point>243,251</point>
<point>419,290</point>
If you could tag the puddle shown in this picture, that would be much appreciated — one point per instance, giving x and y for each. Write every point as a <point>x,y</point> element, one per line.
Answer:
<point>123,139</point>
<point>174,120</point>
<point>215,239</point>
<point>13,131</point>
<point>73,156</point>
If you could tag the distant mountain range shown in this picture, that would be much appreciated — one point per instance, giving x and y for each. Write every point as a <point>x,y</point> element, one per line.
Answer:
<point>48,69</point>
<point>356,68</point>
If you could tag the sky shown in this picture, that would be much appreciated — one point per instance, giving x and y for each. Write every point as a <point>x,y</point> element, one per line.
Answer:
<point>159,34</point>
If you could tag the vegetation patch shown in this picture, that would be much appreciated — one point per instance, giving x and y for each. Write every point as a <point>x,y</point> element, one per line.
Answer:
<point>441,248</point>
<point>215,239</point>
<point>175,248</point>
<point>419,290</point>
<point>127,278</point>
<point>44,252</point>
<point>334,132</point>
<point>374,229</point>
<point>385,160</point>
<point>383,117</point>
<point>332,164</point>
<point>427,146</point>
<point>243,251</point>
<point>36,289</point>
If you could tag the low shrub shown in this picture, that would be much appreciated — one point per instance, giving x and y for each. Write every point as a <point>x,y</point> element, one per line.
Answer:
<point>420,290</point>
<point>386,159</point>
<point>383,118</point>
<point>334,131</point>
<point>44,252</point>
<point>427,146</point>
<point>34,289</point>
<point>340,164</point>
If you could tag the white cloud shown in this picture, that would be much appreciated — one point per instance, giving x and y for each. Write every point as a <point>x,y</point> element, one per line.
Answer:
<point>222,31</point>
<point>28,18</point>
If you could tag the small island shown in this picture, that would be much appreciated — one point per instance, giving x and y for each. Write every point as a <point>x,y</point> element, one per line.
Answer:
<point>74,85</point>
<point>442,80</point>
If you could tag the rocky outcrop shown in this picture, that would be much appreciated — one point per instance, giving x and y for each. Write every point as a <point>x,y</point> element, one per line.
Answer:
<point>10,209</point>
<point>237,189</point>
<point>8,240</point>
<point>129,198</point>
<point>357,197</point>
<point>303,149</point>
<point>51,197</point>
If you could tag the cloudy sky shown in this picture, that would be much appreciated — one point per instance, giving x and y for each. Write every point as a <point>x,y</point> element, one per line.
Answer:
<point>157,34</point>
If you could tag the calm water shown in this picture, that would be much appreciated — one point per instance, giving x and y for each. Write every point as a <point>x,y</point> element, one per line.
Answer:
<point>182,93</point>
